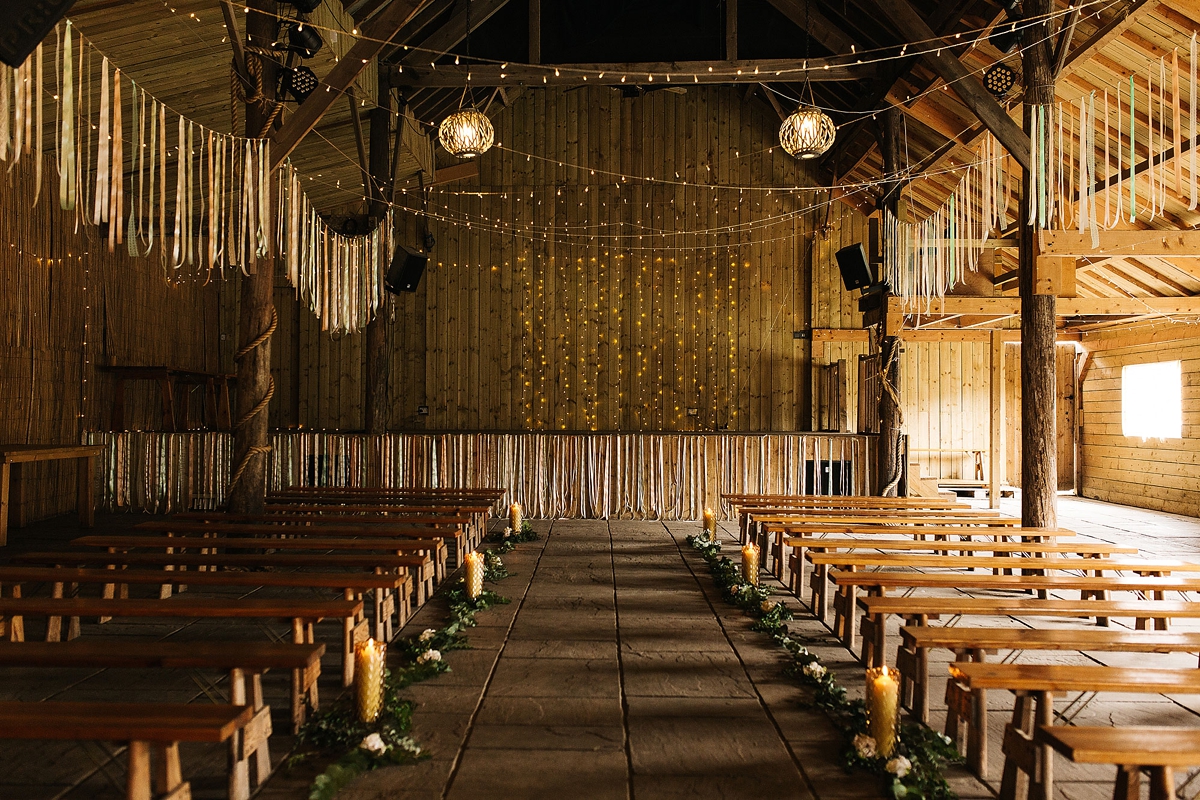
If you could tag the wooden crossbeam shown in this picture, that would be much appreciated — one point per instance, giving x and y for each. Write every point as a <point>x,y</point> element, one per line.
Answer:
<point>1066,306</point>
<point>1107,33</point>
<point>453,31</point>
<point>375,37</point>
<point>1121,244</point>
<point>815,24</point>
<point>636,74</point>
<point>962,82</point>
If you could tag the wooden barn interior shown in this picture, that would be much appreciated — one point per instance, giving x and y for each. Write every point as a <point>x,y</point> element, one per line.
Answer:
<point>656,399</point>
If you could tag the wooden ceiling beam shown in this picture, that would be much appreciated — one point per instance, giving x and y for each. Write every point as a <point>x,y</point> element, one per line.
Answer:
<point>677,73</point>
<point>1104,35</point>
<point>375,37</point>
<point>1066,306</point>
<point>454,31</point>
<point>961,81</point>
<point>1120,244</point>
<point>810,20</point>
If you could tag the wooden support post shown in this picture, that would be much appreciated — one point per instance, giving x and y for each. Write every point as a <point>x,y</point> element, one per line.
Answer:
<point>996,419</point>
<point>257,310</point>
<point>1039,468</point>
<point>378,357</point>
<point>891,455</point>
<point>535,31</point>
<point>731,30</point>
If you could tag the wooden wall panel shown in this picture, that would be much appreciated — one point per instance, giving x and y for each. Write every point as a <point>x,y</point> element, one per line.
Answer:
<point>69,307</point>
<point>564,294</point>
<point>1160,475</point>
<point>945,395</point>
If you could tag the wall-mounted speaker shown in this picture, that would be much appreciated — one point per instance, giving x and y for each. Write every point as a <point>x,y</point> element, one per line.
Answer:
<point>26,22</point>
<point>856,272</point>
<point>406,270</point>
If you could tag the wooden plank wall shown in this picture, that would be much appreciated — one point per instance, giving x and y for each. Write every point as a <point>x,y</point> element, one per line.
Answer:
<point>1160,475</point>
<point>69,306</point>
<point>945,394</point>
<point>669,294</point>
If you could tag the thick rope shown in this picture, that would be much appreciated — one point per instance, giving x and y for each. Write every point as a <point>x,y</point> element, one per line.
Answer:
<point>898,465</point>
<point>238,85</point>
<point>259,407</point>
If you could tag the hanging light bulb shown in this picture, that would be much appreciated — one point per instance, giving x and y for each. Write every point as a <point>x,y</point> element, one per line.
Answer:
<point>807,133</point>
<point>466,133</point>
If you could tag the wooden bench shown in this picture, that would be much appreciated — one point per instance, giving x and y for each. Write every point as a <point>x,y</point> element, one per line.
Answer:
<point>441,533</point>
<point>157,727</point>
<point>244,661</point>
<point>302,614</point>
<point>415,569</point>
<point>971,644</point>
<point>352,585</point>
<point>478,512</point>
<point>1035,686</point>
<point>919,610</point>
<point>1029,565</point>
<point>12,486</point>
<point>1155,750</point>
<point>1089,587</point>
<point>834,518</point>
<point>419,547</point>
<point>796,575</point>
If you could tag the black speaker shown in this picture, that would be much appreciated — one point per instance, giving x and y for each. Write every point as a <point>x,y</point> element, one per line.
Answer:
<point>856,272</point>
<point>406,270</point>
<point>26,22</point>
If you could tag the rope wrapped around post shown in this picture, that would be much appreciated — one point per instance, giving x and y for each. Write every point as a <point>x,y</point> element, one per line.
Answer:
<point>238,85</point>
<point>259,407</point>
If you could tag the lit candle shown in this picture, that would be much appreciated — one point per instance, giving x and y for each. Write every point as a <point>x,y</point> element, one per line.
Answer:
<point>368,678</point>
<point>474,575</point>
<point>883,708</point>
<point>710,523</point>
<point>514,517</point>
<point>750,564</point>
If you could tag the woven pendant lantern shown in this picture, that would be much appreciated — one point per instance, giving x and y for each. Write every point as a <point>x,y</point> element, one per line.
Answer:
<point>807,133</point>
<point>466,133</point>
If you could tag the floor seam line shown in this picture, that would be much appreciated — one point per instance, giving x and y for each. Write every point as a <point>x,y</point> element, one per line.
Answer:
<point>492,672</point>
<point>612,560</point>
<point>758,695</point>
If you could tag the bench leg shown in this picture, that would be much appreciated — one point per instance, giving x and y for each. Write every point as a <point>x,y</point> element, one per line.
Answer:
<point>137,774</point>
<point>86,491</point>
<point>168,776</point>
<point>1018,746</point>
<point>1129,783</point>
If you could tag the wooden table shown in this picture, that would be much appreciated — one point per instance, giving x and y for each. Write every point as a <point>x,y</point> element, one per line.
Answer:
<point>216,395</point>
<point>12,456</point>
<point>1157,750</point>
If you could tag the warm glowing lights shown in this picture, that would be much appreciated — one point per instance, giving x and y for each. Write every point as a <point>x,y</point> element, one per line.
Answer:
<point>466,133</point>
<point>807,133</point>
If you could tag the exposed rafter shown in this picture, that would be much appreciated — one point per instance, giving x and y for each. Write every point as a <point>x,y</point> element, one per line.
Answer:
<point>454,31</point>
<point>817,25</point>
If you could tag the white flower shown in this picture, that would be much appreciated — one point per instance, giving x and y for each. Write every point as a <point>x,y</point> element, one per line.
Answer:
<point>426,635</point>
<point>865,746</point>
<point>429,655</point>
<point>374,744</point>
<point>507,532</point>
<point>898,766</point>
<point>815,670</point>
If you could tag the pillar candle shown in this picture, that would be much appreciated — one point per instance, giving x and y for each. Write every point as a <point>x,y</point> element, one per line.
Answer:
<point>368,678</point>
<point>883,708</point>
<point>514,517</point>
<point>474,577</point>
<point>750,564</point>
<point>710,523</point>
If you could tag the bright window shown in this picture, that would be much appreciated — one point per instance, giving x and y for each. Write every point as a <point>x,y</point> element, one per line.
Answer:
<point>1152,400</point>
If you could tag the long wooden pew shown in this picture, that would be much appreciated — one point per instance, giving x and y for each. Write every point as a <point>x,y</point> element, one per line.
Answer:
<point>877,583</point>
<point>796,575</point>
<point>746,504</point>
<point>844,517</point>
<point>146,727</point>
<point>244,661</point>
<point>1035,686</point>
<point>352,585</point>
<point>479,513</point>
<point>971,644</point>
<point>1131,749</point>
<point>302,614</point>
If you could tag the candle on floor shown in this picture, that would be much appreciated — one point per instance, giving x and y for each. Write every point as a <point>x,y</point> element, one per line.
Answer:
<point>883,708</point>
<point>710,523</point>
<point>368,678</point>
<point>514,517</point>
<point>750,564</point>
<point>474,563</point>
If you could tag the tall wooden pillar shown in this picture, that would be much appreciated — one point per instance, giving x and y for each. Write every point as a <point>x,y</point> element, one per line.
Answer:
<point>891,455</point>
<point>256,316</point>
<point>378,364</point>
<point>1039,467</point>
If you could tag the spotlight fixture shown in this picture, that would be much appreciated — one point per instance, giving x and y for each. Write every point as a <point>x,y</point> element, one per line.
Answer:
<point>300,82</point>
<point>807,133</point>
<point>466,133</point>
<point>304,40</point>
<point>999,80</point>
<point>1006,35</point>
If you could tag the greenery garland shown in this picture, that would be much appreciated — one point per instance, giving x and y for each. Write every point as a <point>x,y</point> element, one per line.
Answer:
<point>915,770</point>
<point>385,742</point>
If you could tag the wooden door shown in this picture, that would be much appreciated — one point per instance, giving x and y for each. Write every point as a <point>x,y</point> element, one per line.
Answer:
<point>1064,422</point>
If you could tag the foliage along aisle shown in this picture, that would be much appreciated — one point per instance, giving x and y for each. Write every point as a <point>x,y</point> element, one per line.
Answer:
<point>366,746</point>
<point>921,754</point>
